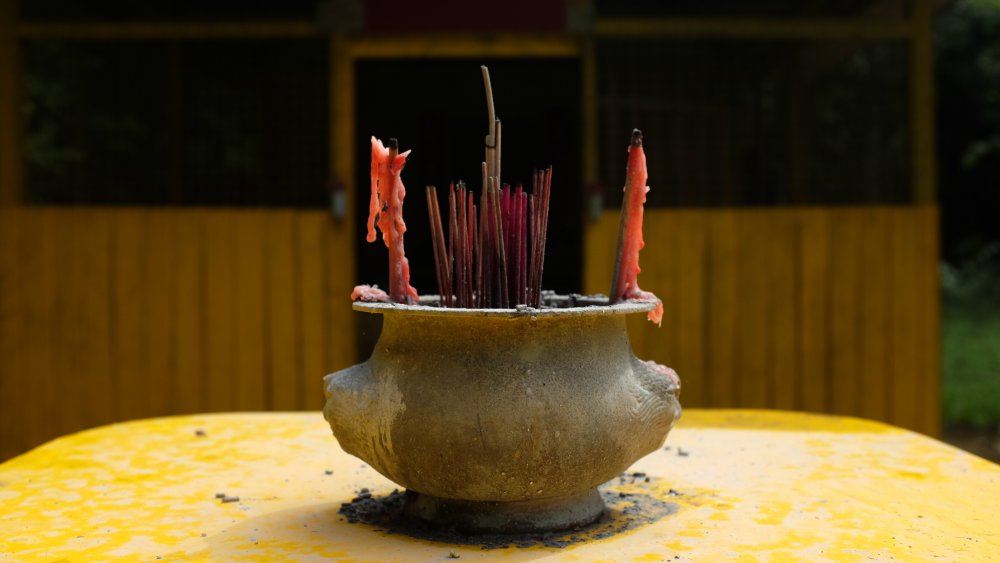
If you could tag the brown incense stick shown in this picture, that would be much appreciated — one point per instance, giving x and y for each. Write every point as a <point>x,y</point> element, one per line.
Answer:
<point>501,255</point>
<point>454,238</point>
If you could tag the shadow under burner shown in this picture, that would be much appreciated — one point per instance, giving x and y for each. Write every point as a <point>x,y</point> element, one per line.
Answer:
<point>630,502</point>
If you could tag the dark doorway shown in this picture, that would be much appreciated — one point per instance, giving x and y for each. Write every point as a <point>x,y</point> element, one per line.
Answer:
<point>437,108</point>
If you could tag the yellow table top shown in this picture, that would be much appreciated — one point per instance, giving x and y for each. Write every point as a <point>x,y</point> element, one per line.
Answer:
<point>747,485</point>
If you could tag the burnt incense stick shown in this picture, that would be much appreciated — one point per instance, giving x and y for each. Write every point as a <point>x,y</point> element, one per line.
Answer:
<point>470,243</point>
<point>481,244</point>
<point>494,253</point>
<point>456,264</point>
<point>435,224</point>
<point>499,251</point>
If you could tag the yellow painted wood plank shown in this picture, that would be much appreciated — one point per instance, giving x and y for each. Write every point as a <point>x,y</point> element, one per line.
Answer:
<point>781,281</point>
<point>815,314</point>
<point>846,285</point>
<point>649,341</point>
<point>159,262</point>
<point>282,291</point>
<point>11,420</point>
<point>341,345</point>
<point>94,330</point>
<point>874,365</point>
<point>220,312</point>
<point>908,383</point>
<point>689,303</point>
<point>660,262</point>
<point>311,272</point>
<point>189,389</point>
<point>722,294</point>
<point>930,321</point>
<point>130,315</point>
<point>600,238</point>
<point>249,303</point>
<point>66,319</point>
<point>38,270</point>
<point>752,376</point>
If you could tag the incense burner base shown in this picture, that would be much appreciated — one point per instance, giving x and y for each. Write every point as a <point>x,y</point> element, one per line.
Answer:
<point>477,517</point>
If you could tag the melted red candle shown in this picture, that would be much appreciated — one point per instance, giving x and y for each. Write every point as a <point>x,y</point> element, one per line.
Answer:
<point>628,272</point>
<point>388,192</point>
<point>369,293</point>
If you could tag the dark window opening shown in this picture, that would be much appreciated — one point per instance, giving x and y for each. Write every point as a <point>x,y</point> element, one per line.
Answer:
<point>729,122</point>
<point>227,122</point>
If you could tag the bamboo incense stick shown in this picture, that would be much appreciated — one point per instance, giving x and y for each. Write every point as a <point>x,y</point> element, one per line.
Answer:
<point>435,224</point>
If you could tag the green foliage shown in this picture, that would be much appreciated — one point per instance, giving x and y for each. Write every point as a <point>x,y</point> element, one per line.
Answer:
<point>968,59</point>
<point>970,338</point>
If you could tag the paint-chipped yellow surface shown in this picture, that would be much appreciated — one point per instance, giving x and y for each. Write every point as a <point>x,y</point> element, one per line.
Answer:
<point>752,485</point>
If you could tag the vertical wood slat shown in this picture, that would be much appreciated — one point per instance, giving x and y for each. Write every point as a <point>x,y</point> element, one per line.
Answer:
<point>749,370</point>
<point>32,383</point>
<point>159,263</point>
<point>67,322</point>
<point>907,382</point>
<point>930,320</point>
<point>10,328</point>
<point>188,388</point>
<point>780,269</point>
<point>248,307</point>
<point>341,342</point>
<point>219,310</point>
<point>689,301</point>
<point>873,303</point>
<point>281,311</point>
<point>814,283</point>
<point>721,306</point>
<point>130,318</point>
<point>845,285</point>
<point>311,228</point>
<point>94,330</point>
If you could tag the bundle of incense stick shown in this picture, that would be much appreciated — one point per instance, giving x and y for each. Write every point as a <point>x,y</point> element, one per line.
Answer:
<point>486,261</point>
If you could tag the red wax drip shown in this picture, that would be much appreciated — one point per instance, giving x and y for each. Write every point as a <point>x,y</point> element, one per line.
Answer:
<point>388,193</point>
<point>369,293</point>
<point>626,284</point>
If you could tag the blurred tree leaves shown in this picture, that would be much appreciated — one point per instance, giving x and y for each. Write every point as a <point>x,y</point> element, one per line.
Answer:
<point>967,39</point>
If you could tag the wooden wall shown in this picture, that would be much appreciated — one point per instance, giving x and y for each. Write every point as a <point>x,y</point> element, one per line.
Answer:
<point>115,314</point>
<point>112,314</point>
<point>826,309</point>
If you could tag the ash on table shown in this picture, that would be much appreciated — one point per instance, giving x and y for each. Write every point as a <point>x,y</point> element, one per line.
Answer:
<point>626,510</point>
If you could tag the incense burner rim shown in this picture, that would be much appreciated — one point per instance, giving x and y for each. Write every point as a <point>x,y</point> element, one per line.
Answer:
<point>584,306</point>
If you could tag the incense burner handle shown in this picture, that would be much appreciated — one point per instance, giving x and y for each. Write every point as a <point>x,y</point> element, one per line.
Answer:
<point>658,404</point>
<point>360,410</point>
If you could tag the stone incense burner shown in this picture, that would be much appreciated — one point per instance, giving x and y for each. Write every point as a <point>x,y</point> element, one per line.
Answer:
<point>502,420</point>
